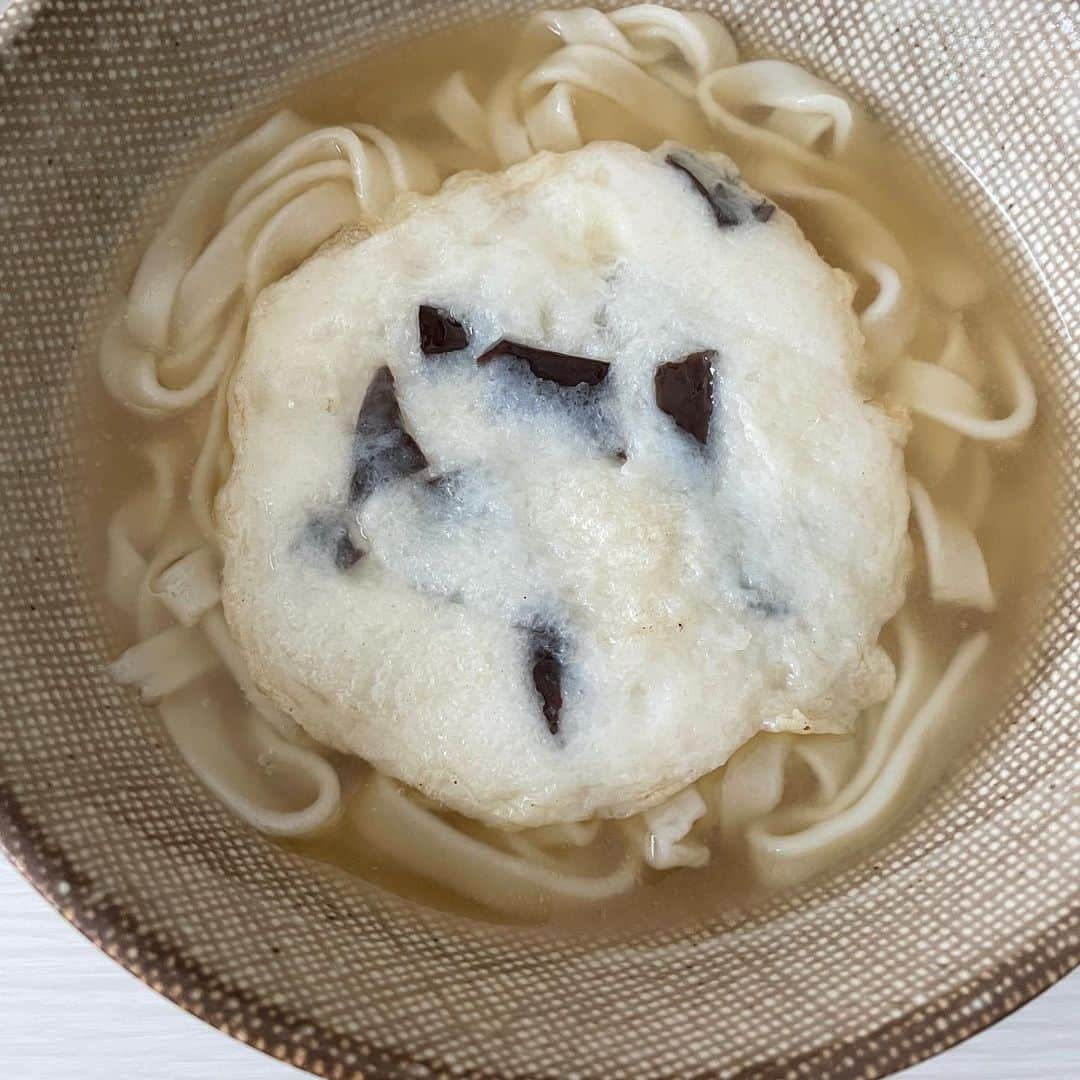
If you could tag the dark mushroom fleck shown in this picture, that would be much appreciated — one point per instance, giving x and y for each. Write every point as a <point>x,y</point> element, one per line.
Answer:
<point>440,332</point>
<point>684,390</point>
<point>330,536</point>
<point>761,600</point>
<point>445,485</point>
<point>346,553</point>
<point>383,451</point>
<point>563,369</point>
<point>547,674</point>
<point>731,204</point>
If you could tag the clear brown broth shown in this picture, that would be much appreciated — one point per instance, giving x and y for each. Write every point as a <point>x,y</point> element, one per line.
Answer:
<point>385,89</point>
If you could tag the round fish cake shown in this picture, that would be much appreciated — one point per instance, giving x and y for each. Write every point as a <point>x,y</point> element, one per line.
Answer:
<point>559,486</point>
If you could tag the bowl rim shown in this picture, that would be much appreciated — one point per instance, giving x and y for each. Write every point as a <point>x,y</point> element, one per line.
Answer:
<point>914,1036</point>
<point>973,1005</point>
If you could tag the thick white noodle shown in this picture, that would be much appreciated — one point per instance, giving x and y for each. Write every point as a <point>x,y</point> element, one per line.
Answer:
<point>151,615</point>
<point>456,107</point>
<point>788,851</point>
<point>954,562</point>
<point>275,786</point>
<point>863,246</point>
<point>192,225</point>
<point>261,207</point>
<point>190,587</point>
<point>136,527</point>
<point>676,48</point>
<point>213,461</point>
<point>774,141</point>
<point>255,211</point>
<point>977,483</point>
<point>794,94</point>
<point>668,842</point>
<point>169,661</point>
<point>648,35</point>
<point>934,447</point>
<point>384,816</point>
<point>751,785</point>
<point>942,394</point>
<point>217,634</point>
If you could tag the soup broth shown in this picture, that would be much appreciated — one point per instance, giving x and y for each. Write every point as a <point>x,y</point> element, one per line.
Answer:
<point>862,202</point>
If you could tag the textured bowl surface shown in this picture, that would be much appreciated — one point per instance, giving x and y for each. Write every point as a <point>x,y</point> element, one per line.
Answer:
<point>965,915</point>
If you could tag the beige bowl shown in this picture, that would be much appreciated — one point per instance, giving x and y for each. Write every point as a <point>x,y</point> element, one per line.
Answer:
<point>968,913</point>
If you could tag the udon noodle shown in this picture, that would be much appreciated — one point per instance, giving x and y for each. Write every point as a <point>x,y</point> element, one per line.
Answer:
<point>792,803</point>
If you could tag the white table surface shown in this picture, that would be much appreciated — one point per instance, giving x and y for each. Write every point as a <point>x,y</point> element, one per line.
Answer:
<point>102,1024</point>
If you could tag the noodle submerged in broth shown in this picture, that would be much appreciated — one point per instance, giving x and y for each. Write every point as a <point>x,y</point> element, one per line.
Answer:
<point>788,802</point>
